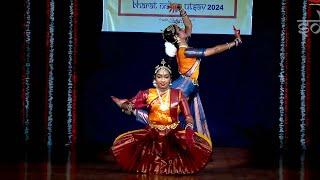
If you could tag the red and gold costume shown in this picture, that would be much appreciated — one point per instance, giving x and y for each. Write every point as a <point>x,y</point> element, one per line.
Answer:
<point>161,147</point>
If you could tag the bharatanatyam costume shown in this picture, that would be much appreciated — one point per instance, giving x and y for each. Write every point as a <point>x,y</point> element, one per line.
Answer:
<point>161,148</point>
<point>164,146</point>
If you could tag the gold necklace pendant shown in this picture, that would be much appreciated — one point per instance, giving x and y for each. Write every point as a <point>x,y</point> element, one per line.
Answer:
<point>164,107</point>
<point>164,104</point>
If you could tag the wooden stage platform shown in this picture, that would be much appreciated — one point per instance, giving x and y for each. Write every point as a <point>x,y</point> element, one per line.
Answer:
<point>226,164</point>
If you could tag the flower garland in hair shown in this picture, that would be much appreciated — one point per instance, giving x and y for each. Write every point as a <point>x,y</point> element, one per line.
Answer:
<point>170,49</point>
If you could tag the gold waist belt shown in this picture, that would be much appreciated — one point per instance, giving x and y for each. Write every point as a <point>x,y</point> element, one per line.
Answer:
<point>164,127</point>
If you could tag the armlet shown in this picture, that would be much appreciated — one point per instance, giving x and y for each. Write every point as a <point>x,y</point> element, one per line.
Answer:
<point>194,52</point>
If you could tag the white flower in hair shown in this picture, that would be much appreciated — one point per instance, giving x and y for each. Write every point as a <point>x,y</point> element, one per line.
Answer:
<point>170,49</point>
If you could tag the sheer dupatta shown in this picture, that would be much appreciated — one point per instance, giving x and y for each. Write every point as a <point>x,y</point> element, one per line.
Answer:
<point>190,90</point>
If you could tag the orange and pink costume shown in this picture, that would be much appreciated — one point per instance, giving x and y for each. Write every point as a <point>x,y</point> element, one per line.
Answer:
<point>161,147</point>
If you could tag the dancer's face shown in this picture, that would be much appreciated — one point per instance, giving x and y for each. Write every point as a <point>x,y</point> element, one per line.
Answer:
<point>163,79</point>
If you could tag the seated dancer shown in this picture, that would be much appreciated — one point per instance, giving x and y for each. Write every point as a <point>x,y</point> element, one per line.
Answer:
<point>164,146</point>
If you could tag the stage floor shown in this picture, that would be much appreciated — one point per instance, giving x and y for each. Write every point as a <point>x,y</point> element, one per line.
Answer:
<point>227,163</point>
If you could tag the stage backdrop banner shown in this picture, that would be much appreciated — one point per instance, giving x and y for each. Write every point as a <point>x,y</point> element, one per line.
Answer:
<point>207,16</point>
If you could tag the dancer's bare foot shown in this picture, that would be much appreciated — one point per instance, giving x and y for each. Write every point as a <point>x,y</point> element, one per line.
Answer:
<point>118,101</point>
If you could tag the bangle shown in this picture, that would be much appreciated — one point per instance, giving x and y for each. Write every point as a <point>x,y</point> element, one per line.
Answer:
<point>228,45</point>
<point>237,41</point>
<point>183,13</point>
<point>127,106</point>
<point>189,125</point>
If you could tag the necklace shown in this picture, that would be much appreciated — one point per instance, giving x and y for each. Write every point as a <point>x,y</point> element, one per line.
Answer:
<point>164,104</point>
<point>183,46</point>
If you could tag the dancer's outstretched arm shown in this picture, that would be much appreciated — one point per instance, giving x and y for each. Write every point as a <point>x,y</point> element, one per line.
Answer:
<point>202,52</point>
<point>223,47</point>
<point>174,7</point>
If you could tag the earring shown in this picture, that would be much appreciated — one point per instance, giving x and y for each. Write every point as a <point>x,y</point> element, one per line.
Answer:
<point>170,84</point>
<point>177,39</point>
<point>154,83</point>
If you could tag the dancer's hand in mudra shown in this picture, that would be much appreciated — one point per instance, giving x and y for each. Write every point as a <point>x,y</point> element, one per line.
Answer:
<point>122,103</point>
<point>174,7</point>
<point>238,39</point>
